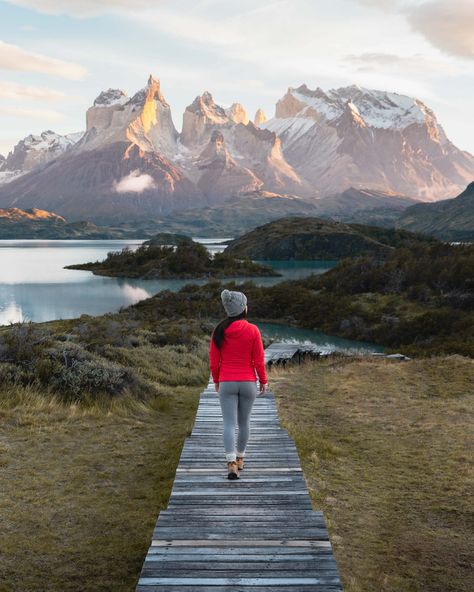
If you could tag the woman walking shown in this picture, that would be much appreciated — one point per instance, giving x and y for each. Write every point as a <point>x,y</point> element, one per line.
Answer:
<point>236,358</point>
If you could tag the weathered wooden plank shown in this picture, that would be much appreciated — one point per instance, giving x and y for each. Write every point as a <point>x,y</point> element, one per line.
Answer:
<point>210,550</point>
<point>264,581</point>
<point>235,588</point>
<point>281,560</point>
<point>238,543</point>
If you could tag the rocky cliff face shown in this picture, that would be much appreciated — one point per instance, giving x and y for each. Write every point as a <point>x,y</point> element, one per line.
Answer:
<point>248,148</point>
<point>200,119</point>
<point>260,117</point>
<point>366,138</point>
<point>237,114</point>
<point>220,174</point>
<point>144,120</point>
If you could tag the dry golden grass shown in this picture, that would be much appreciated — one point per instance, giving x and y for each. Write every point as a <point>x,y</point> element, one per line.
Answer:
<point>387,451</point>
<point>82,485</point>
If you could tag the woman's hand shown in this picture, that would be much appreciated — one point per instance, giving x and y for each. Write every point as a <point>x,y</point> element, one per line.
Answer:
<point>216,386</point>
<point>263,389</point>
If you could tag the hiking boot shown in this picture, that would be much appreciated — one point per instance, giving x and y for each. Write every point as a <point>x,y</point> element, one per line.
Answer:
<point>240,462</point>
<point>233,470</point>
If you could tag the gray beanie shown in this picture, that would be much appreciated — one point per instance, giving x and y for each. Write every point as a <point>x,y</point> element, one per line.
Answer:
<point>233,302</point>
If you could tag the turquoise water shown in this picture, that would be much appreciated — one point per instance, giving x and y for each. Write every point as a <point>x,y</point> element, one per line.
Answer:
<point>35,286</point>
<point>278,332</point>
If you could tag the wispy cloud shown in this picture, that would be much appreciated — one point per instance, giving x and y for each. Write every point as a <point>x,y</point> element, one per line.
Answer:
<point>17,92</point>
<point>41,114</point>
<point>13,57</point>
<point>375,61</point>
<point>82,8</point>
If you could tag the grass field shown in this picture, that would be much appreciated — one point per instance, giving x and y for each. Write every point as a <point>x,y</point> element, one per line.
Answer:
<point>82,485</point>
<point>386,448</point>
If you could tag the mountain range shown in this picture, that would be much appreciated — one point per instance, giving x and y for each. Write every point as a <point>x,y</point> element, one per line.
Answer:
<point>132,164</point>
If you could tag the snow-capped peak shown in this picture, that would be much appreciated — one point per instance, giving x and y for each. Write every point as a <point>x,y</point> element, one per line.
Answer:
<point>49,140</point>
<point>379,109</point>
<point>112,96</point>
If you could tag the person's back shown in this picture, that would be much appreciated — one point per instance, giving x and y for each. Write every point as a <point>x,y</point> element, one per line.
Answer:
<point>241,353</point>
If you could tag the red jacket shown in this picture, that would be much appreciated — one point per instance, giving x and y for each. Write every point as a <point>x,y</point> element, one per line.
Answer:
<point>240,355</point>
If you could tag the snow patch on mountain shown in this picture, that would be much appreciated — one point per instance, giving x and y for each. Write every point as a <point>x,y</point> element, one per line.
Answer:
<point>7,176</point>
<point>112,96</point>
<point>49,140</point>
<point>289,127</point>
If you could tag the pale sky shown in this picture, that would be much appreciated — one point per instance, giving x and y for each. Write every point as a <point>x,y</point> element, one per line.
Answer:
<point>57,55</point>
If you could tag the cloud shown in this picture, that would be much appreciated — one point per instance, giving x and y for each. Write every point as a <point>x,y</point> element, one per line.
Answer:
<point>379,3</point>
<point>47,114</point>
<point>383,62</point>
<point>135,182</point>
<point>446,24</point>
<point>16,58</point>
<point>18,92</point>
<point>28,28</point>
<point>83,8</point>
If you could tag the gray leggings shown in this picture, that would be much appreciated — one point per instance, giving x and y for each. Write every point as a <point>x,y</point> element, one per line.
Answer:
<point>236,399</point>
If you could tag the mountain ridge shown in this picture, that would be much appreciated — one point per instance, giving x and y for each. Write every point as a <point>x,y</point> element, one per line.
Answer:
<point>449,219</point>
<point>132,162</point>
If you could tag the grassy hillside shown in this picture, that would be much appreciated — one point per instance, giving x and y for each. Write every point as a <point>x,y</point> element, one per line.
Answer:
<point>82,486</point>
<point>385,448</point>
<point>314,238</point>
<point>94,412</point>
<point>450,219</point>
<point>154,260</point>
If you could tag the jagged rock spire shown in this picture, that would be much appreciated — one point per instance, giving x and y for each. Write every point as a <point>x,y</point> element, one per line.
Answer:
<point>260,117</point>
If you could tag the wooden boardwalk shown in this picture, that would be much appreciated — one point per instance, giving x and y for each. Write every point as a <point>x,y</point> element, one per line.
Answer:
<point>256,533</point>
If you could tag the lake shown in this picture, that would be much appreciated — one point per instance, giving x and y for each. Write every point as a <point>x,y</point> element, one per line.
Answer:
<point>35,286</point>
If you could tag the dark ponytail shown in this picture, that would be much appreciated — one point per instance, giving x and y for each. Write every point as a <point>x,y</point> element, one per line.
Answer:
<point>218,333</point>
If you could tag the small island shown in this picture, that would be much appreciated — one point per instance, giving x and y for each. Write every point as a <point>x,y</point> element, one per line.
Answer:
<point>175,256</point>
